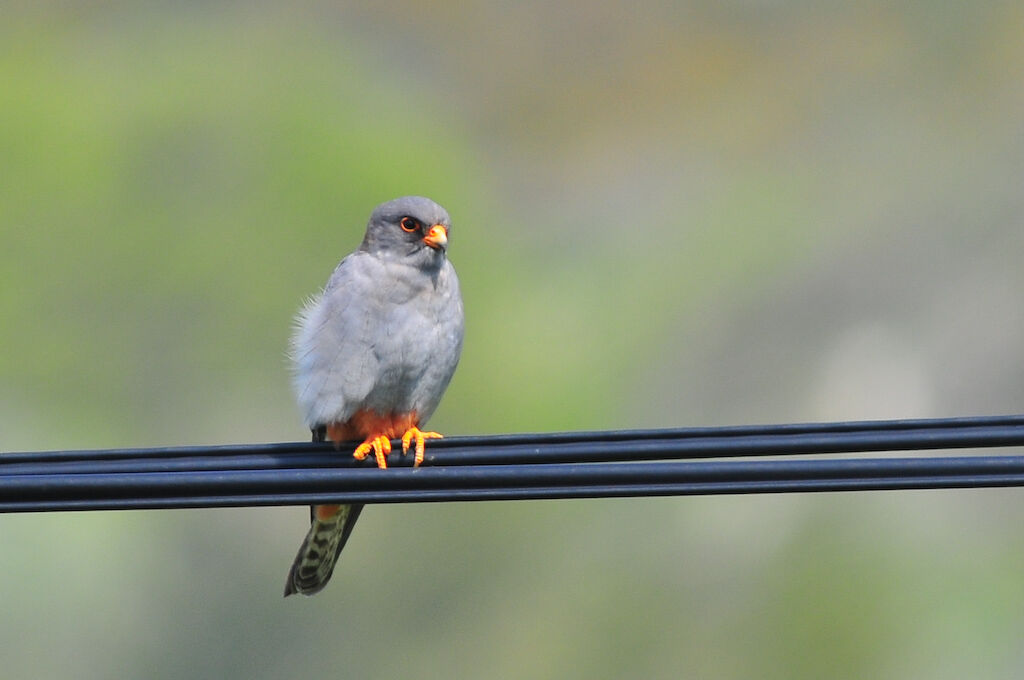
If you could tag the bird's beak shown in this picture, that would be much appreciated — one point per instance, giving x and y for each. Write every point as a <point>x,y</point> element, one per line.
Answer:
<point>437,237</point>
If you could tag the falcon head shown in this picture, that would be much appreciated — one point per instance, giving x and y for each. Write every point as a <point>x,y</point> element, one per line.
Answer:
<point>411,228</point>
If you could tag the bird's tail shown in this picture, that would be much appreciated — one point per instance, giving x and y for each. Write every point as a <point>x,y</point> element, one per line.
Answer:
<point>327,535</point>
<point>330,526</point>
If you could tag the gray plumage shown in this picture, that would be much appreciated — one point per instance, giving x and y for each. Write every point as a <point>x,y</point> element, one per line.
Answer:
<point>386,333</point>
<point>384,336</point>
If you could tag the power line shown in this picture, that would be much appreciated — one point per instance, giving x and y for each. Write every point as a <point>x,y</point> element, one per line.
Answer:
<point>523,466</point>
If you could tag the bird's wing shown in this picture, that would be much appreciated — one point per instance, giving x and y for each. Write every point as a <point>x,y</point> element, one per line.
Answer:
<point>332,349</point>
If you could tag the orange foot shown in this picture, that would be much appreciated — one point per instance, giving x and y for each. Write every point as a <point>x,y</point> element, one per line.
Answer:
<point>381,447</point>
<point>419,435</point>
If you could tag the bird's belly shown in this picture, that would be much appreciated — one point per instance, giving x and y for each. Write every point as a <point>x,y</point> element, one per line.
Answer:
<point>395,388</point>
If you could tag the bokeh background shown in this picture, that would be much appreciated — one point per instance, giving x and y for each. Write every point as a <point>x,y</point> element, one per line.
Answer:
<point>665,214</point>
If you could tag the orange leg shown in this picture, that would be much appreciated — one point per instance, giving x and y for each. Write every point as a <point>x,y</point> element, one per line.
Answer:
<point>381,447</point>
<point>415,433</point>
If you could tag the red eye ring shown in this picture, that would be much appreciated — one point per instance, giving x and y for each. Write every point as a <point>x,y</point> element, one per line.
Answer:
<point>409,224</point>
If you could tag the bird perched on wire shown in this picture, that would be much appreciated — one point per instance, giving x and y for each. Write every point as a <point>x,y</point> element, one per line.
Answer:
<point>372,355</point>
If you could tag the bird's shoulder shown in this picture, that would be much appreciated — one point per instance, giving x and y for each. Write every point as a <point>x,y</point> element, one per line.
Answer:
<point>357,268</point>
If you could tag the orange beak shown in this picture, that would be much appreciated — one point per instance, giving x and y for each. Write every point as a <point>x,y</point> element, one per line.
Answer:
<point>437,237</point>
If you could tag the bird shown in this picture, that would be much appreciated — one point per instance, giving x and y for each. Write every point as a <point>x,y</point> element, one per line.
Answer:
<point>372,354</point>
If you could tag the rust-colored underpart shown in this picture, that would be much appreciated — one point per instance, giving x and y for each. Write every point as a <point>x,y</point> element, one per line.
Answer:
<point>377,431</point>
<point>325,512</point>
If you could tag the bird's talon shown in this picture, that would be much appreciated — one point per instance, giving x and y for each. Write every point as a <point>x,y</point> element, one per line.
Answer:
<point>415,433</point>
<point>381,447</point>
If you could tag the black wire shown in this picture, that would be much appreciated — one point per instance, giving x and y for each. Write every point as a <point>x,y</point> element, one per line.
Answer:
<point>564,447</point>
<point>1009,424</point>
<point>556,465</point>
<point>471,483</point>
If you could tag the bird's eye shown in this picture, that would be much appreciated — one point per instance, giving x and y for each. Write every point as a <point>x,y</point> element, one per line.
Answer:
<point>409,224</point>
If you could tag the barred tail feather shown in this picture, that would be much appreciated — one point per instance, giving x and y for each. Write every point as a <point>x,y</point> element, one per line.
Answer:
<point>315,561</point>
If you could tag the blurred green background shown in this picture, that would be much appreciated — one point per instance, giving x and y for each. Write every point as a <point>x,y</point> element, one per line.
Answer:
<point>665,214</point>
